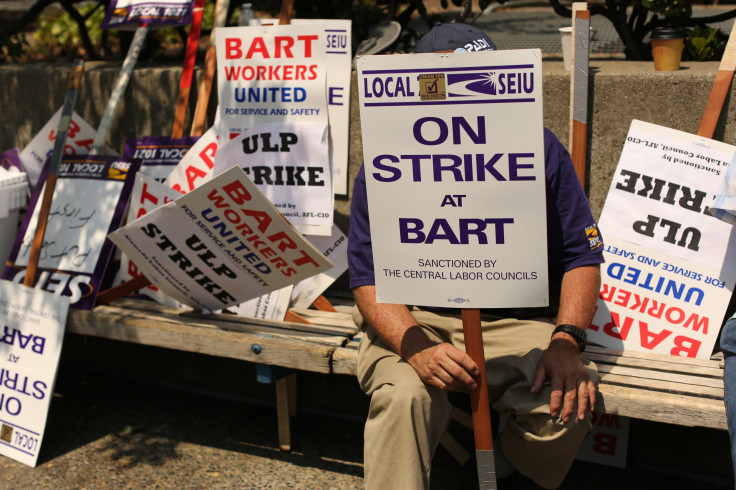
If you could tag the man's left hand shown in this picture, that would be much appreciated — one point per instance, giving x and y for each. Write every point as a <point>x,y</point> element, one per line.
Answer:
<point>569,380</point>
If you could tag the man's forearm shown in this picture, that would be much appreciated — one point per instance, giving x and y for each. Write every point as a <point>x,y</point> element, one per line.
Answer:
<point>580,288</point>
<point>392,323</point>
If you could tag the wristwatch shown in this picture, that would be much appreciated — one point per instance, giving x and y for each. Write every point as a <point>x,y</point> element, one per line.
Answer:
<point>577,333</point>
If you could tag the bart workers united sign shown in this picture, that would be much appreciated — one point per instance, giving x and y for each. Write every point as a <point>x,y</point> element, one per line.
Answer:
<point>219,245</point>
<point>670,267</point>
<point>454,163</point>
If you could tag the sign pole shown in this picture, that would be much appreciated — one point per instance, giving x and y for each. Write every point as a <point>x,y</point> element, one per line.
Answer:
<point>187,73</point>
<point>579,108</point>
<point>479,401</point>
<point>720,88</point>
<point>75,80</point>
<point>117,92</point>
<point>208,75</point>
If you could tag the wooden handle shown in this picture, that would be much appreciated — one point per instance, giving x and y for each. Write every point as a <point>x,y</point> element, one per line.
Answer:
<point>109,295</point>
<point>479,396</point>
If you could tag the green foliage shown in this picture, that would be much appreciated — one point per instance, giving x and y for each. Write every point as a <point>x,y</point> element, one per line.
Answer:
<point>58,34</point>
<point>704,44</point>
<point>671,9</point>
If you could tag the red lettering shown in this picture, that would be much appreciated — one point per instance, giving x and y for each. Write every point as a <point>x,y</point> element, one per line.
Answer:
<point>685,345</point>
<point>623,298</point>
<point>263,219</point>
<point>650,340</point>
<point>237,192</point>
<point>696,323</point>
<point>147,196</point>
<point>670,315</point>
<point>257,46</point>
<point>207,155</point>
<point>232,48</point>
<point>308,40</point>
<point>193,173</point>
<point>605,444</point>
<point>305,259</point>
<point>615,329</point>
<point>607,293</point>
<point>285,42</point>
<point>73,129</point>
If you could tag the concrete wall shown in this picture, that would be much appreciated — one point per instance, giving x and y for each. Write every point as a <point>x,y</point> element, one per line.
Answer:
<point>619,92</point>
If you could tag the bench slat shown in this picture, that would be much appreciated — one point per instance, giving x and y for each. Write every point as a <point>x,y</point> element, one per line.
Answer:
<point>115,324</point>
<point>661,407</point>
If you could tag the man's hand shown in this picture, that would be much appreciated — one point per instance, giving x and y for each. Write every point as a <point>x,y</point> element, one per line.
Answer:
<point>441,365</point>
<point>561,363</point>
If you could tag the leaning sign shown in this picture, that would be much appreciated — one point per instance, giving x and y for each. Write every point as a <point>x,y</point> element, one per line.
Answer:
<point>670,271</point>
<point>33,329</point>
<point>219,245</point>
<point>454,164</point>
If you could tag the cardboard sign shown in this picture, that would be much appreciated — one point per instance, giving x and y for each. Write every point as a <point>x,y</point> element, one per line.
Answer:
<point>80,137</point>
<point>148,194</point>
<point>89,201</point>
<point>669,272</point>
<point>660,193</point>
<point>271,306</point>
<point>33,325</point>
<point>339,70</point>
<point>454,164</point>
<point>129,14</point>
<point>219,245</point>
<point>195,168</point>
<point>270,74</point>
<point>608,442</point>
<point>159,155</point>
<point>289,163</point>
<point>335,248</point>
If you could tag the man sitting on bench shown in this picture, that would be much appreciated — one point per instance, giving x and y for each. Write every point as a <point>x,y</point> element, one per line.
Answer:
<point>411,356</point>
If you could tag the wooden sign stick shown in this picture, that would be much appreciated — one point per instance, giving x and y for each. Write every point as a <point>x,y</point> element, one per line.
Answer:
<point>208,75</point>
<point>579,109</point>
<point>576,6</point>
<point>720,88</point>
<point>187,72</point>
<point>75,80</point>
<point>479,401</point>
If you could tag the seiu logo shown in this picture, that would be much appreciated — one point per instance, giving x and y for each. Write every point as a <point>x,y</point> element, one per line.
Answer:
<point>490,83</point>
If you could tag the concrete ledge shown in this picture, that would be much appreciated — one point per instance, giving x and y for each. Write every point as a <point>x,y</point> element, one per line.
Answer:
<point>619,92</point>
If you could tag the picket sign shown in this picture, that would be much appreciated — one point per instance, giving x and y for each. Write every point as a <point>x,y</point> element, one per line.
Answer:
<point>33,330</point>
<point>75,80</point>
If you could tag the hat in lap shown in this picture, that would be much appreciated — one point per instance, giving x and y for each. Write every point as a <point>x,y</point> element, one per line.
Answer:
<point>454,37</point>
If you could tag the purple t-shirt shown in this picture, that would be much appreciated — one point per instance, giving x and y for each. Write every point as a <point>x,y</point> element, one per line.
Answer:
<point>573,239</point>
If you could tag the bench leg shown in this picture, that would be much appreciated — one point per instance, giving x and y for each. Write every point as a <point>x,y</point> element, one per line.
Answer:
<point>285,408</point>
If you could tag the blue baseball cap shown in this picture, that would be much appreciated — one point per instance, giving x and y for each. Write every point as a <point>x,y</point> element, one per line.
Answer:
<point>454,37</point>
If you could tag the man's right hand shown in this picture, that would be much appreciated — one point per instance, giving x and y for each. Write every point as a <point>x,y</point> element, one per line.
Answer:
<point>440,365</point>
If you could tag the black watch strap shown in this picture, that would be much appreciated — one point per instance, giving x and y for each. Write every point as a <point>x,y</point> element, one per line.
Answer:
<point>577,333</point>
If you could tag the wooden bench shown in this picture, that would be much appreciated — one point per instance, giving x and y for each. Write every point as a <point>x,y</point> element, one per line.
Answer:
<point>657,388</point>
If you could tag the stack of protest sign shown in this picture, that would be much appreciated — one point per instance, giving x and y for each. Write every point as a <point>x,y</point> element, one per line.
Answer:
<point>210,230</point>
<point>670,270</point>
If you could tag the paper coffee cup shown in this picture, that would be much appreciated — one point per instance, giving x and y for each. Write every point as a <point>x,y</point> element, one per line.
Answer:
<point>667,46</point>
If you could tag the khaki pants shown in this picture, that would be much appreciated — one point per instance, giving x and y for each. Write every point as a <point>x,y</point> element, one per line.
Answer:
<point>407,418</point>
